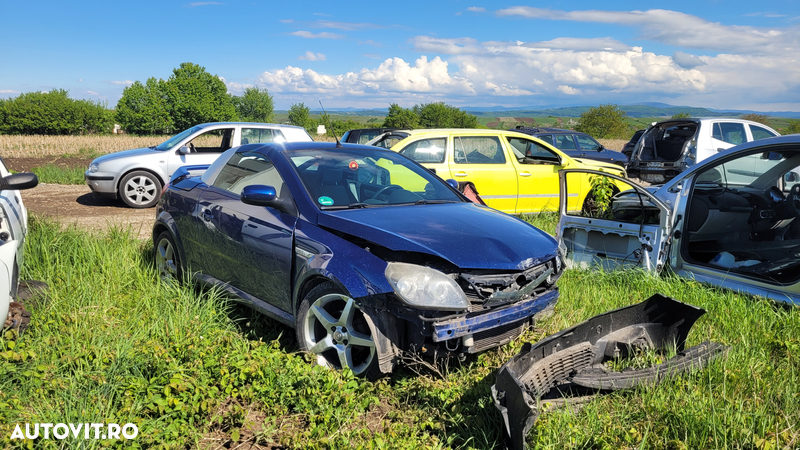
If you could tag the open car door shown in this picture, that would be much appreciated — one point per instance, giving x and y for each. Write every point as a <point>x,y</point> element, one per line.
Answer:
<point>615,227</point>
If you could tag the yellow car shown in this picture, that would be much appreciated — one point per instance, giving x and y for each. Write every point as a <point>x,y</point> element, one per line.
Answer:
<point>513,172</point>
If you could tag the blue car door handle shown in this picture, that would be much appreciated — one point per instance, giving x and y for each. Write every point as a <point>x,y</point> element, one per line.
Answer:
<point>206,214</point>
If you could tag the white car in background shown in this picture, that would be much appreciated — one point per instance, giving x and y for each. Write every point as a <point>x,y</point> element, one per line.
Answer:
<point>671,146</point>
<point>13,228</point>
<point>138,176</point>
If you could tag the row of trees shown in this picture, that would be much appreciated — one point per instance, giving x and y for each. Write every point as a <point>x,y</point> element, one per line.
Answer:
<point>53,113</point>
<point>190,96</point>
<point>430,115</point>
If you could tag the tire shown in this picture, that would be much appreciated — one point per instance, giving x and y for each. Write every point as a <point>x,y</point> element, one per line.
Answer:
<point>140,189</point>
<point>331,326</point>
<point>166,258</point>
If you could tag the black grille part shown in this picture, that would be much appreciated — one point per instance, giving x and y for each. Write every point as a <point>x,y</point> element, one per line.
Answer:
<point>498,336</point>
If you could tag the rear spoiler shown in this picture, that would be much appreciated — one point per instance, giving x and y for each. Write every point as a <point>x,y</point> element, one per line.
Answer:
<point>571,361</point>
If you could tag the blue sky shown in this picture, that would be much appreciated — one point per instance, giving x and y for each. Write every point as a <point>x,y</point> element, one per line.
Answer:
<point>707,53</point>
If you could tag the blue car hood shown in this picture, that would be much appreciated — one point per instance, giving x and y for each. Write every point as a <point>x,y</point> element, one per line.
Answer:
<point>469,236</point>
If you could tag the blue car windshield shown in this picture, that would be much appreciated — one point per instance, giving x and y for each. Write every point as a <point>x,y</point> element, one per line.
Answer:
<point>175,140</point>
<point>357,178</point>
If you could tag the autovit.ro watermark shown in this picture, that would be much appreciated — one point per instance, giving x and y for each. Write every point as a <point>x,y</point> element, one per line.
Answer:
<point>75,430</point>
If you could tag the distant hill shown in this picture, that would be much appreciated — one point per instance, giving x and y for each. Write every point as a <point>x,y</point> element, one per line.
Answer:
<point>647,109</point>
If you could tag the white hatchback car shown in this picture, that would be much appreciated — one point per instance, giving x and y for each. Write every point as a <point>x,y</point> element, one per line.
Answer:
<point>13,228</point>
<point>137,176</point>
<point>669,147</point>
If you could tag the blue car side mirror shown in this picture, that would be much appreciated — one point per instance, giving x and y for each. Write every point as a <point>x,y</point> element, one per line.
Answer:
<point>260,195</point>
<point>453,183</point>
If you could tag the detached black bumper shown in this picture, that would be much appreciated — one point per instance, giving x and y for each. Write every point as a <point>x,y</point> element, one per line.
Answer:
<point>572,359</point>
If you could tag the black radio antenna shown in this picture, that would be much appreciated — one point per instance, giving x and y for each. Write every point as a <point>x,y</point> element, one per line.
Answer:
<point>327,119</point>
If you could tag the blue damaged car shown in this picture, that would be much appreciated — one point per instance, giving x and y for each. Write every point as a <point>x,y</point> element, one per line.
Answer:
<point>365,253</point>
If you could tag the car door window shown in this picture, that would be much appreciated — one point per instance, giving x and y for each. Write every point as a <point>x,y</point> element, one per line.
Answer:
<point>547,138</point>
<point>564,142</point>
<point>426,150</point>
<point>261,135</point>
<point>214,141</point>
<point>730,132</point>
<point>249,168</point>
<point>760,132</point>
<point>530,152</point>
<point>588,144</point>
<point>478,150</point>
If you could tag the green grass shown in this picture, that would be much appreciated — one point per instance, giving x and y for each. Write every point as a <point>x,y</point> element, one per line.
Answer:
<point>112,344</point>
<point>59,175</point>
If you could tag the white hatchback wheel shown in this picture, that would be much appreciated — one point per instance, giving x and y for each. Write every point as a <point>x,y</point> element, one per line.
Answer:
<point>140,189</point>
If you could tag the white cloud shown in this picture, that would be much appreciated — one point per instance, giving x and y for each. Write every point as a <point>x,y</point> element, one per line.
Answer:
<point>311,56</point>
<point>8,91</point>
<point>580,44</point>
<point>122,83</point>
<point>674,28</point>
<point>345,26</point>
<point>92,93</point>
<point>568,90</point>
<point>372,55</point>
<point>686,60</point>
<point>457,46</point>
<point>80,80</point>
<point>393,75</point>
<point>310,35</point>
<point>476,9</point>
<point>371,42</point>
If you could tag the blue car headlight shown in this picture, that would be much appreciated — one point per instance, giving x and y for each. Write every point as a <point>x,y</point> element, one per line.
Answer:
<point>425,288</point>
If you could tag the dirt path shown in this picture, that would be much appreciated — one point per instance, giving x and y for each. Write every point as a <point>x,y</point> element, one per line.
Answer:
<point>75,204</point>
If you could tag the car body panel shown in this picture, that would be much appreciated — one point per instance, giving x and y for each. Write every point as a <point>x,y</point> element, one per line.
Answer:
<point>525,180</point>
<point>731,223</point>
<point>13,230</point>
<point>111,168</point>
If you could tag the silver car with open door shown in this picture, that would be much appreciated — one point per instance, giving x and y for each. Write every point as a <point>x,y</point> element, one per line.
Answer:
<point>732,221</point>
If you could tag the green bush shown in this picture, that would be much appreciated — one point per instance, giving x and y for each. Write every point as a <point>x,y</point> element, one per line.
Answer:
<point>53,113</point>
<point>604,122</point>
<point>429,115</point>
<point>143,108</point>
<point>255,105</point>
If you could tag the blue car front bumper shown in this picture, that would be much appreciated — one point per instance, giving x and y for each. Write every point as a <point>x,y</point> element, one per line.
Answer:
<point>476,323</point>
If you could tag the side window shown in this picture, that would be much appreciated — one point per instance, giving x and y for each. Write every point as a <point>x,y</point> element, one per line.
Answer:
<point>564,142</point>
<point>760,132</point>
<point>588,143</point>
<point>261,136</point>
<point>730,132</point>
<point>426,150</point>
<point>247,168</point>
<point>214,141</point>
<point>547,138</point>
<point>530,152</point>
<point>478,150</point>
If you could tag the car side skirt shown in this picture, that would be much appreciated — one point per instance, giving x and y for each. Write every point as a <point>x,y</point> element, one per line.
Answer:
<point>251,301</point>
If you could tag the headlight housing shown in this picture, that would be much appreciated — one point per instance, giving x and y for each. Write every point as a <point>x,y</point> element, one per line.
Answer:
<point>425,288</point>
<point>94,167</point>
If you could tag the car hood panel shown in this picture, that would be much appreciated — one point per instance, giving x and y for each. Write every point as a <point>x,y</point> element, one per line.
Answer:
<point>135,153</point>
<point>467,235</point>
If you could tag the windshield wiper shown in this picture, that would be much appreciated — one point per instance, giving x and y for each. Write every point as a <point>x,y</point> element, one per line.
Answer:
<point>432,202</point>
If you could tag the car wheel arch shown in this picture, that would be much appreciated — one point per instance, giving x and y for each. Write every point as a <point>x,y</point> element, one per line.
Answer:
<point>159,176</point>
<point>166,224</point>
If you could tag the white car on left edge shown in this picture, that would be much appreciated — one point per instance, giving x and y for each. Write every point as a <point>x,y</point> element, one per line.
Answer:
<point>137,176</point>
<point>13,228</point>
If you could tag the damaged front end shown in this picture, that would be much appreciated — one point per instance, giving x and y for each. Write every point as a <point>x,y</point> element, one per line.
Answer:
<point>496,308</point>
<point>572,361</point>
